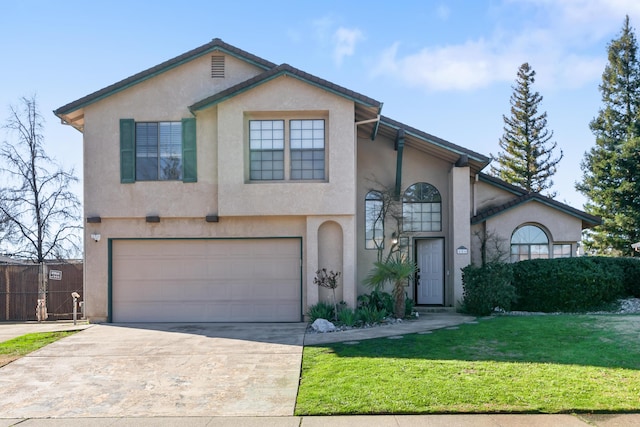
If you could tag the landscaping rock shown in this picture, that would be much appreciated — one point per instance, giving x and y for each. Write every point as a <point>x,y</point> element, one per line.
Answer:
<point>323,325</point>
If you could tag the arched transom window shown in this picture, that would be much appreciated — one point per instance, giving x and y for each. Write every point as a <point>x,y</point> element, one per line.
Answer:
<point>422,208</point>
<point>529,242</point>
<point>374,220</point>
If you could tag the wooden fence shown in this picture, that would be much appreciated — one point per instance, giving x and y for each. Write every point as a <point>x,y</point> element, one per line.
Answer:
<point>20,289</point>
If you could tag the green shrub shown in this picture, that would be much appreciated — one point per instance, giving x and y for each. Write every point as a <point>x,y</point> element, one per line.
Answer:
<point>377,299</point>
<point>567,284</point>
<point>631,279</point>
<point>486,288</point>
<point>370,315</point>
<point>321,310</point>
<point>409,304</point>
<point>347,316</point>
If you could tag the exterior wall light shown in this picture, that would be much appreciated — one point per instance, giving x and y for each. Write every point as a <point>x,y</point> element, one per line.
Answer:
<point>96,237</point>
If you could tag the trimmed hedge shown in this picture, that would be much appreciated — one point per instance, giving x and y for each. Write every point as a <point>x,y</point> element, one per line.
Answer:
<point>566,284</point>
<point>488,287</point>
<point>550,285</point>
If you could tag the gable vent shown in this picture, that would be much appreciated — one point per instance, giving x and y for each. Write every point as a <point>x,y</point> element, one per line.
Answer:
<point>217,67</point>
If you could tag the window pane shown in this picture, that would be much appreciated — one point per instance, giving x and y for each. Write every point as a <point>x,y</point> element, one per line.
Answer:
<point>307,143</point>
<point>529,234</point>
<point>170,150</point>
<point>562,250</point>
<point>266,144</point>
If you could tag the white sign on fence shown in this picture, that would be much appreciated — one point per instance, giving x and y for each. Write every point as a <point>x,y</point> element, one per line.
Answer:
<point>55,275</point>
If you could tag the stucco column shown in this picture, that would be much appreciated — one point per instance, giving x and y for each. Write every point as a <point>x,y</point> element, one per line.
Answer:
<point>349,279</point>
<point>461,226</point>
<point>312,247</point>
<point>311,264</point>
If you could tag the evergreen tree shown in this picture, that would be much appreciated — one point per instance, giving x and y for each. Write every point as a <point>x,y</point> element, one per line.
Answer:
<point>527,150</point>
<point>611,174</point>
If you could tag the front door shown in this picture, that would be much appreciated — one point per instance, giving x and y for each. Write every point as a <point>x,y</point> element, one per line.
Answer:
<point>430,260</point>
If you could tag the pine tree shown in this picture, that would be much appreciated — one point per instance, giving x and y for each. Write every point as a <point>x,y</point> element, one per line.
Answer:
<point>527,158</point>
<point>611,174</point>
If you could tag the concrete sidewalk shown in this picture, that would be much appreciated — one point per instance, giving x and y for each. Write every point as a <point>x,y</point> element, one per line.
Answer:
<point>489,420</point>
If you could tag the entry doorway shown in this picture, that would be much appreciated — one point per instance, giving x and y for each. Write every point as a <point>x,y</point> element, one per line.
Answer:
<point>430,279</point>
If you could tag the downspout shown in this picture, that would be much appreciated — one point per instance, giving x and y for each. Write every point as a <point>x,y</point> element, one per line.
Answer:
<point>475,195</point>
<point>399,148</point>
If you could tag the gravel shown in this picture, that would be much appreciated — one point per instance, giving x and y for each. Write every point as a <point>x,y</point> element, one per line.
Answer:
<point>625,306</point>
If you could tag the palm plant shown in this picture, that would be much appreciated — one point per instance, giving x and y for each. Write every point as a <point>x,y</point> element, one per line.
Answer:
<point>396,269</point>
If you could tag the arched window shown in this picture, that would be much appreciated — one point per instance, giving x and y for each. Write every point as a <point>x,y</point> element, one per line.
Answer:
<point>422,208</point>
<point>529,242</point>
<point>373,220</point>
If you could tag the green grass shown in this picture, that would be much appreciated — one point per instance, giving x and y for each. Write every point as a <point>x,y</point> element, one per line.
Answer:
<point>545,364</point>
<point>17,347</point>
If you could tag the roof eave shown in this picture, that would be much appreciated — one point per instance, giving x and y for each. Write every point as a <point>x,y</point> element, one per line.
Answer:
<point>231,92</point>
<point>215,46</point>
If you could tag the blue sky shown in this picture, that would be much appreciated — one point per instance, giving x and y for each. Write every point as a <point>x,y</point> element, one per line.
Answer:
<point>444,67</point>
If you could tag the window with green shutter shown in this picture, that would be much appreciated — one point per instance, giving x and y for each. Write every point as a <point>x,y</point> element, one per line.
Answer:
<point>158,151</point>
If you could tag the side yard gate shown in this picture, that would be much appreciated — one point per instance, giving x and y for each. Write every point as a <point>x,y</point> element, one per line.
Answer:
<point>21,285</point>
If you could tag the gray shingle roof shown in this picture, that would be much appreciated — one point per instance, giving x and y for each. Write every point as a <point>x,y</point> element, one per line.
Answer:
<point>523,197</point>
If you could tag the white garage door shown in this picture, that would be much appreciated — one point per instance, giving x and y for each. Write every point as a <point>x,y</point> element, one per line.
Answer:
<point>238,280</point>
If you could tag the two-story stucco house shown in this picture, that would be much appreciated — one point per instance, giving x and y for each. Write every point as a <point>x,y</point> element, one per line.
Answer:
<point>217,183</point>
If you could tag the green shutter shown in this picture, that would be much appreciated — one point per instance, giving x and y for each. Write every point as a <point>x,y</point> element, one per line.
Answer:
<point>127,151</point>
<point>189,155</point>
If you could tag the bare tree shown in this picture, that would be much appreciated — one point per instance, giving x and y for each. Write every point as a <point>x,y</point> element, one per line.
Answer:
<point>37,201</point>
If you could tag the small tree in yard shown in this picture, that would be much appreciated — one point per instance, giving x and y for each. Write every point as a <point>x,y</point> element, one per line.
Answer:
<point>395,269</point>
<point>36,202</point>
<point>330,281</point>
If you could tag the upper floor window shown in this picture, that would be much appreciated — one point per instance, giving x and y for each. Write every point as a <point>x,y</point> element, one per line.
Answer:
<point>529,242</point>
<point>300,144</point>
<point>307,149</point>
<point>374,220</point>
<point>158,151</point>
<point>422,208</point>
<point>266,149</point>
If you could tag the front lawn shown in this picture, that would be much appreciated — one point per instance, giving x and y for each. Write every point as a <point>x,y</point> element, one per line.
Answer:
<point>546,364</point>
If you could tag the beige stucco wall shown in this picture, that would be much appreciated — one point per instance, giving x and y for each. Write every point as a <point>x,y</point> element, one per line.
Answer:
<point>162,98</point>
<point>285,98</point>
<point>560,227</point>
<point>287,209</point>
<point>486,195</point>
<point>376,170</point>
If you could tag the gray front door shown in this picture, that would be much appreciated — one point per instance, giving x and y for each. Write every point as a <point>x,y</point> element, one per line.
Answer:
<point>430,260</point>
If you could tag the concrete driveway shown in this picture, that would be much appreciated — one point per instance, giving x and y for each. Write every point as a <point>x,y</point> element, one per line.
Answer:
<point>154,370</point>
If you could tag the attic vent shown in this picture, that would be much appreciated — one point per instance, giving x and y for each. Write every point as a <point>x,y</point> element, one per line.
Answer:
<point>217,67</point>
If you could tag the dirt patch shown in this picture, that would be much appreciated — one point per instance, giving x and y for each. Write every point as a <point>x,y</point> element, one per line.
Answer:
<point>6,359</point>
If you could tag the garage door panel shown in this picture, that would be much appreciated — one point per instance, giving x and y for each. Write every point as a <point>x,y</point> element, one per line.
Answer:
<point>206,280</point>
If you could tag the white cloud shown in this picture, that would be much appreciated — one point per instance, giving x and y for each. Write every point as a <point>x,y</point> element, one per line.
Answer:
<point>462,67</point>
<point>345,43</point>
<point>563,41</point>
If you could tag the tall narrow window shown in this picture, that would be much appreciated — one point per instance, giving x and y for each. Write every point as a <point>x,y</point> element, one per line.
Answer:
<point>307,149</point>
<point>374,220</point>
<point>529,242</point>
<point>422,208</point>
<point>266,147</point>
<point>158,151</point>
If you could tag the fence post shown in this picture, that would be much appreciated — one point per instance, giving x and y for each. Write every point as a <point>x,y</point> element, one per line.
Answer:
<point>41,311</point>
